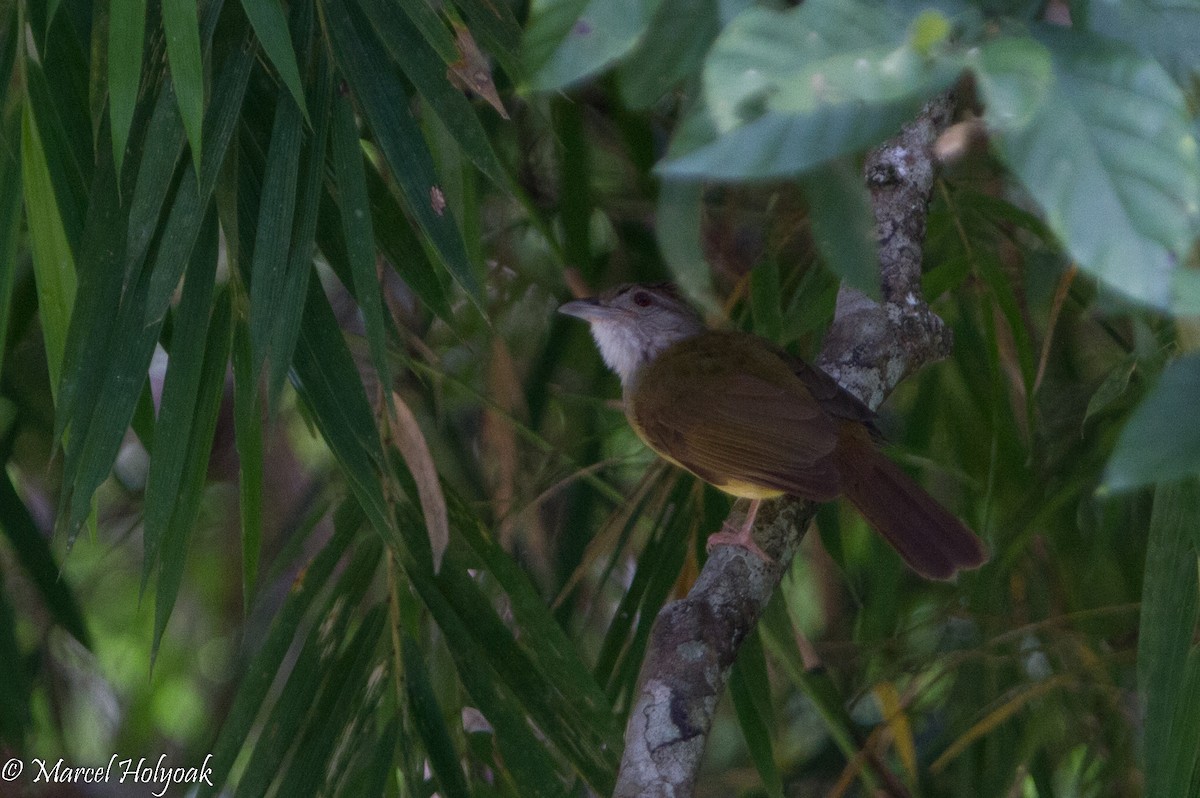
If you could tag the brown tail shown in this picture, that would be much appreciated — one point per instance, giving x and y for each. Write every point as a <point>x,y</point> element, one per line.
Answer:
<point>933,542</point>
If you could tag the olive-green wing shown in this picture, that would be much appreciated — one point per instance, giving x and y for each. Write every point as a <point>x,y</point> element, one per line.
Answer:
<point>731,427</point>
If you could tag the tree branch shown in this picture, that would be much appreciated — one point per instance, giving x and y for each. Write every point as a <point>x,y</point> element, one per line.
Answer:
<point>869,349</point>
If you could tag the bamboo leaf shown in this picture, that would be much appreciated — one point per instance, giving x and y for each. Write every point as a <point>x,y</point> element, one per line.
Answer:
<point>182,25</point>
<point>405,434</point>
<point>11,201</point>
<point>33,552</point>
<point>431,725</point>
<point>355,211</point>
<point>263,667</point>
<point>248,432</point>
<point>295,711</point>
<point>381,98</point>
<point>427,72</point>
<point>53,260</point>
<point>749,686</point>
<point>198,446</point>
<point>1169,607</point>
<point>270,25</point>
<point>126,30</point>
<point>178,407</point>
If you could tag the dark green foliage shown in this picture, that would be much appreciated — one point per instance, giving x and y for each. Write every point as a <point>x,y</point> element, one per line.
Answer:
<point>314,212</point>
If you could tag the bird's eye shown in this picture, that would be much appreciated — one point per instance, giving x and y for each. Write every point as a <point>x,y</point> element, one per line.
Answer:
<point>642,299</point>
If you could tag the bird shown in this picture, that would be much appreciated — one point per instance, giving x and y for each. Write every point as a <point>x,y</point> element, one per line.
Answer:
<point>750,419</point>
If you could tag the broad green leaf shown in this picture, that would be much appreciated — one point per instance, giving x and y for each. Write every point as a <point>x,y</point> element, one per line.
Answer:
<point>749,686</point>
<point>33,552</point>
<point>263,667</point>
<point>1112,161</point>
<point>1169,604</point>
<point>431,725</point>
<point>126,31</point>
<point>1159,442</point>
<point>270,25</point>
<point>385,105</point>
<point>182,26</point>
<point>680,33</point>
<point>681,242</point>
<point>567,41</point>
<point>422,66</point>
<point>844,224</point>
<point>53,260</point>
<point>186,506</point>
<point>1015,75</point>
<point>1167,31</point>
<point>790,90</point>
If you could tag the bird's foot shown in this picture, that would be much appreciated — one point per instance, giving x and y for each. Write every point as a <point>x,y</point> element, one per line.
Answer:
<point>740,535</point>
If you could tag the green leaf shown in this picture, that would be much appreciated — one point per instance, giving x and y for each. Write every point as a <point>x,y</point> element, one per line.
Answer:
<point>198,445</point>
<point>248,432</point>
<point>51,115</point>
<point>385,104</point>
<point>844,224</point>
<point>680,240</point>
<point>53,260</point>
<point>787,91</point>
<point>182,26</point>
<point>427,72</point>
<point>15,692</point>
<point>33,552</point>
<point>126,30</point>
<point>11,201</point>
<point>265,664</point>
<point>766,297</point>
<point>749,686</point>
<point>178,408</point>
<point>1169,604</point>
<point>1015,75</point>
<point>1112,161</point>
<point>680,33</point>
<point>1158,443</point>
<point>567,41</point>
<point>270,25</point>
<point>1166,31</point>
<point>431,725</point>
<point>273,233</point>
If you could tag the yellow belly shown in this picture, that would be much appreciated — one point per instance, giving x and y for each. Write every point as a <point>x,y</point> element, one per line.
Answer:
<point>734,487</point>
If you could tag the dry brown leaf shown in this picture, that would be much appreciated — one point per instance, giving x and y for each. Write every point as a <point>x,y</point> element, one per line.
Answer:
<point>405,434</point>
<point>472,72</point>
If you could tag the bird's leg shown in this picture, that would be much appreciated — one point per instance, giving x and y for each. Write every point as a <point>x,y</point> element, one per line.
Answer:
<point>740,535</point>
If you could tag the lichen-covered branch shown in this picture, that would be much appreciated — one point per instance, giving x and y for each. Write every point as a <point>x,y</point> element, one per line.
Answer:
<point>870,348</point>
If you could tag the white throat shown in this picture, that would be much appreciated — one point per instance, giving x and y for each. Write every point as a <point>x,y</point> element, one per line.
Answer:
<point>627,349</point>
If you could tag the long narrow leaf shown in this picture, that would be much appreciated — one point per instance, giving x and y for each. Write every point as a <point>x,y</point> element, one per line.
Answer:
<point>126,29</point>
<point>182,25</point>
<point>385,104</point>
<point>270,25</point>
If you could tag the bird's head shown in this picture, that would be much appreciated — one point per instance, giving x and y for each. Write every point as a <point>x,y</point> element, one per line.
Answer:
<point>632,323</point>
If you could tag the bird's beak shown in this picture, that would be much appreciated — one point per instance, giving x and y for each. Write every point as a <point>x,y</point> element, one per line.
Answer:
<point>588,309</point>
